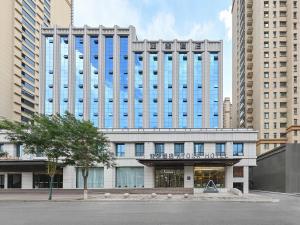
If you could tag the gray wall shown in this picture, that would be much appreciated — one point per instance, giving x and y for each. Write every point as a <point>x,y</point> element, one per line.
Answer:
<point>278,170</point>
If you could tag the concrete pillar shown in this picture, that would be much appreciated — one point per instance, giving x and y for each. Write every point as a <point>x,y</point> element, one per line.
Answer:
<point>228,177</point>
<point>109,177</point>
<point>5,180</point>
<point>189,148</point>
<point>169,148</point>
<point>209,148</point>
<point>69,177</point>
<point>149,149</point>
<point>27,180</point>
<point>129,150</point>
<point>229,149</point>
<point>188,176</point>
<point>149,174</point>
<point>246,180</point>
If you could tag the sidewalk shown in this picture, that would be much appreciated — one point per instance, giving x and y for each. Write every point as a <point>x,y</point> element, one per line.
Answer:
<point>227,197</point>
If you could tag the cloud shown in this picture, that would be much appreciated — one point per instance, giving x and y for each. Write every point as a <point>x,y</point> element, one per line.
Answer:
<point>226,18</point>
<point>161,25</point>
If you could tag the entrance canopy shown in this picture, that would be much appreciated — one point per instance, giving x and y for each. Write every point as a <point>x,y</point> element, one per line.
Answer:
<point>189,162</point>
<point>23,165</point>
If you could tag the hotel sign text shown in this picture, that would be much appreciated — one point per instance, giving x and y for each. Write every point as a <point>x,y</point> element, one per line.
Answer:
<point>187,156</point>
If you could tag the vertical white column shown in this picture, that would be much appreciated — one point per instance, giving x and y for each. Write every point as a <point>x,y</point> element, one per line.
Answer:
<point>109,177</point>
<point>246,180</point>
<point>169,148</point>
<point>5,181</point>
<point>69,177</point>
<point>149,149</point>
<point>229,149</point>
<point>149,177</point>
<point>27,180</point>
<point>228,177</point>
<point>188,176</point>
<point>189,147</point>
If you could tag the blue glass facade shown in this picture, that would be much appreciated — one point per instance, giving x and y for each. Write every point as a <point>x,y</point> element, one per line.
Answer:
<point>49,76</point>
<point>138,90</point>
<point>214,91</point>
<point>197,91</point>
<point>108,99</point>
<point>64,81</point>
<point>123,101</point>
<point>153,93</point>
<point>79,77</point>
<point>168,88</point>
<point>94,95</point>
<point>182,91</point>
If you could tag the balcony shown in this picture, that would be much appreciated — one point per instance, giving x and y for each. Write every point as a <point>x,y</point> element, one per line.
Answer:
<point>249,66</point>
<point>249,101</point>
<point>249,92</point>
<point>250,110</point>
<point>249,4</point>
<point>249,74</point>
<point>249,57</point>
<point>249,30</point>
<point>249,13</point>
<point>249,119</point>
<point>250,83</point>
<point>249,39</point>
<point>249,48</point>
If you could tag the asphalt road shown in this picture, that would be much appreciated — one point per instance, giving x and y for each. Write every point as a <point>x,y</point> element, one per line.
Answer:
<point>286,212</point>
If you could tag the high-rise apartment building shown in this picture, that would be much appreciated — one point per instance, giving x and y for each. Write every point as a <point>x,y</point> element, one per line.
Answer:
<point>266,70</point>
<point>20,22</point>
<point>227,113</point>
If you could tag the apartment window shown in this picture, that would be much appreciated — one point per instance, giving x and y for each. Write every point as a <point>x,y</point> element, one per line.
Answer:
<point>275,135</point>
<point>283,115</point>
<point>266,34</point>
<point>266,115</point>
<point>282,125</point>
<point>266,44</point>
<point>220,149</point>
<point>295,111</point>
<point>266,94</point>
<point>266,84</point>
<point>266,125</point>
<point>238,171</point>
<point>266,146</point>
<point>282,84</point>
<point>266,135</point>
<point>266,24</point>
<point>120,150</point>
<point>295,101</point>
<point>266,14</point>
<point>238,149</point>
<point>198,149</point>
<point>266,65</point>
<point>159,148</point>
<point>275,125</point>
<point>266,4</point>
<point>266,54</point>
<point>274,115</point>
<point>178,149</point>
<point>295,4</point>
<point>283,104</point>
<point>275,105</point>
<point>266,74</point>
<point>139,149</point>
<point>266,105</point>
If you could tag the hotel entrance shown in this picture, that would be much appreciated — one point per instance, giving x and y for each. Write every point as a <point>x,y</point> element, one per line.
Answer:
<point>169,177</point>
<point>202,176</point>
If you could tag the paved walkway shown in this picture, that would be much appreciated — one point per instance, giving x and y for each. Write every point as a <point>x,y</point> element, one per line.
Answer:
<point>137,197</point>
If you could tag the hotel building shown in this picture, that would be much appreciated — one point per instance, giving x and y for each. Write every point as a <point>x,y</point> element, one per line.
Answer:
<point>266,70</point>
<point>159,102</point>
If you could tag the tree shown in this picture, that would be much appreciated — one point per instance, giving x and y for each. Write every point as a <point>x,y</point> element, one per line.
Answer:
<point>43,135</point>
<point>87,145</point>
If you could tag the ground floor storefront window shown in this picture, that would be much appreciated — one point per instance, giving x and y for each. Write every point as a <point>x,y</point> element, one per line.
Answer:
<point>203,175</point>
<point>130,177</point>
<point>95,178</point>
<point>14,180</point>
<point>2,178</point>
<point>42,180</point>
<point>169,177</point>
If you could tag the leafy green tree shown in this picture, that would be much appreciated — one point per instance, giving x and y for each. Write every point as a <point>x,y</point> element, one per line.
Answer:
<point>88,147</point>
<point>43,135</point>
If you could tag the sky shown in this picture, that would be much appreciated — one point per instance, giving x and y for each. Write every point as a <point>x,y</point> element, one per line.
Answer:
<point>165,19</point>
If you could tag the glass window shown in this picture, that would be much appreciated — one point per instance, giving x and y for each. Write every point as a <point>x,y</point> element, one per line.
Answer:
<point>49,76</point>
<point>159,148</point>
<point>197,91</point>
<point>94,95</point>
<point>64,68</point>
<point>178,149</point>
<point>95,178</point>
<point>130,177</point>
<point>108,107</point>
<point>153,92</point>
<point>139,149</point>
<point>123,82</point>
<point>238,149</point>
<point>220,149</point>
<point>79,77</point>
<point>214,91</point>
<point>238,171</point>
<point>168,81</point>
<point>120,150</point>
<point>138,91</point>
<point>183,91</point>
<point>198,149</point>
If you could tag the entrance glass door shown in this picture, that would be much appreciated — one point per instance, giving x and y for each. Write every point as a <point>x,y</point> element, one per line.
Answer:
<point>169,177</point>
<point>202,175</point>
<point>1,181</point>
<point>14,180</point>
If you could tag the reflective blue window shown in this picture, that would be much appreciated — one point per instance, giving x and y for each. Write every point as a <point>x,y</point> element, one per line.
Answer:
<point>138,91</point>
<point>153,93</point>
<point>108,108</point>
<point>168,87</point>
<point>214,91</point>
<point>198,149</point>
<point>159,148</point>
<point>79,77</point>
<point>238,149</point>
<point>123,82</point>
<point>49,76</point>
<point>178,149</point>
<point>183,92</point>
<point>197,91</point>
<point>120,150</point>
<point>94,74</point>
<point>220,149</point>
<point>64,81</point>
